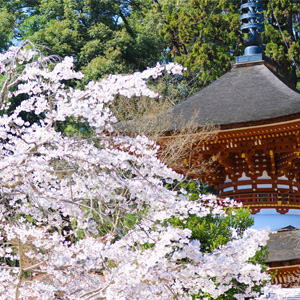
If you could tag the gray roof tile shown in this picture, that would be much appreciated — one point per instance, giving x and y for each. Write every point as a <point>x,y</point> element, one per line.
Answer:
<point>283,245</point>
<point>244,94</point>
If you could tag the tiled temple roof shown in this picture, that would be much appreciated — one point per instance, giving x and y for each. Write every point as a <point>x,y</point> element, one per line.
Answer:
<point>283,245</point>
<point>247,93</point>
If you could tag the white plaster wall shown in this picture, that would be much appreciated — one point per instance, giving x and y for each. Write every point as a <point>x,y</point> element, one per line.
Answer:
<point>227,179</point>
<point>244,177</point>
<point>269,217</point>
<point>264,176</point>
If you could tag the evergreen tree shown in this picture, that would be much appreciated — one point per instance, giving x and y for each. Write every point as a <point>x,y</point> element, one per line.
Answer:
<point>205,35</point>
<point>123,36</point>
<point>104,36</point>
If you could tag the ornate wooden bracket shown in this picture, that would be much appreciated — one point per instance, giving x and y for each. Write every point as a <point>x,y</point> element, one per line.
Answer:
<point>282,210</point>
<point>254,210</point>
<point>272,161</point>
<point>248,156</point>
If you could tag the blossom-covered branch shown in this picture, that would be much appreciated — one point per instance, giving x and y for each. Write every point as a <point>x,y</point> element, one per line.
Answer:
<point>65,200</point>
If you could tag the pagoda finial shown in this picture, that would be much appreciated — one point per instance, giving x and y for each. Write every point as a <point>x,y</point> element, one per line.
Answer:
<point>252,19</point>
<point>252,26</point>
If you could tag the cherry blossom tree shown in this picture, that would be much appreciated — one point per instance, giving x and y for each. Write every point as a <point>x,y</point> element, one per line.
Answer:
<point>65,201</point>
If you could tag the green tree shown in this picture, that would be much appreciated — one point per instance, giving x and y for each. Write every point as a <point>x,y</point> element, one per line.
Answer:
<point>7,23</point>
<point>204,35</point>
<point>116,36</point>
<point>284,15</point>
<point>103,36</point>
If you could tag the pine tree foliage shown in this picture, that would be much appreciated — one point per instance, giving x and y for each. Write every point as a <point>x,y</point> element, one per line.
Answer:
<point>205,36</point>
<point>103,36</point>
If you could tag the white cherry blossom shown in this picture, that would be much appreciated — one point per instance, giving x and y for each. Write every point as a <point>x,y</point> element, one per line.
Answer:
<point>54,187</point>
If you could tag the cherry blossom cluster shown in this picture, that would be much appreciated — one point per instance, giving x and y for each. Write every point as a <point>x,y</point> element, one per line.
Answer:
<point>65,201</point>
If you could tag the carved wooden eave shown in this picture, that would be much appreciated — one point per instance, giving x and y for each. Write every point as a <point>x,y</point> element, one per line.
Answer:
<point>258,165</point>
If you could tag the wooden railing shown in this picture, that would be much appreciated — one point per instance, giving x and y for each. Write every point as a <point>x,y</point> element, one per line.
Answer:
<point>288,276</point>
<point>257,201</point>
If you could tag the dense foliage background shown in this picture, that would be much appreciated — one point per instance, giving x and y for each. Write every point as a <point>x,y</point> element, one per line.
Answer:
<point>122,36</point>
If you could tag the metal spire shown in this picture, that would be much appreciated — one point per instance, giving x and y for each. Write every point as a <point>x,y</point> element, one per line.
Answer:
<point>252,26</point>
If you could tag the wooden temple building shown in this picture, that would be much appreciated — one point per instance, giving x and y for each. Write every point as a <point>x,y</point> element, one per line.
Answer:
<point>256,151</point>
<point>284,258</point>
<point>255,154</point>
